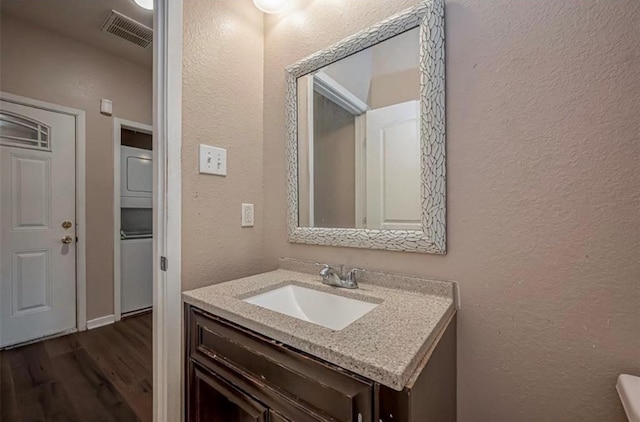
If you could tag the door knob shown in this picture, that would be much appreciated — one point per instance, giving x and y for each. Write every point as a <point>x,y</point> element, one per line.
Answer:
<point>67,239</point>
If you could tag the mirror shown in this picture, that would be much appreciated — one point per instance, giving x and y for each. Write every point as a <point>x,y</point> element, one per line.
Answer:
<point>359,139</point>
<point>366,147</point>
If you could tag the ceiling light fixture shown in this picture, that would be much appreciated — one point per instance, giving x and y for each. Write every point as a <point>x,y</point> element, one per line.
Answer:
<point>145,4</point>
<point>271,6</point>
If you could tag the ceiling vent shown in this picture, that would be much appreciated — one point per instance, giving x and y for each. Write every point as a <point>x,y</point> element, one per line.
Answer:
<point>128,29</point>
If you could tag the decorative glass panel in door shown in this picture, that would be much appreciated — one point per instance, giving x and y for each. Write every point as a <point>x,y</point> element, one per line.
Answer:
<point>18,131</point>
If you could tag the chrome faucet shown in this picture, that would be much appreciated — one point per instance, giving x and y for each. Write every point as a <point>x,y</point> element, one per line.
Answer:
<point>331,277</point>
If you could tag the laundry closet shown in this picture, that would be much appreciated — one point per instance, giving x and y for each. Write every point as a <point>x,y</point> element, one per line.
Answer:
<point>136,221</point>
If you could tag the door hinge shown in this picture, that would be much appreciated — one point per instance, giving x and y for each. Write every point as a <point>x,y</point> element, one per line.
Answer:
<point>163,263</point>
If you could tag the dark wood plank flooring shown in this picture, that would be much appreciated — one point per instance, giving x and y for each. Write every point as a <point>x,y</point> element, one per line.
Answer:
<point>102,375</point>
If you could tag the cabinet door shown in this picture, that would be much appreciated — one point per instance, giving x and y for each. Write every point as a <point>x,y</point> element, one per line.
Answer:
<point>214,400</point>
<point>301,388</point>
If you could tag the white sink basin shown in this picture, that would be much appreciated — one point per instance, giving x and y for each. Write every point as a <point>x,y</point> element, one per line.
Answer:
<point>330,311</point>
<point>628,387</point>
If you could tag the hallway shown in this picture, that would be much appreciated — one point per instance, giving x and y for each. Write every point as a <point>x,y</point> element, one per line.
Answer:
<point>100,375</point>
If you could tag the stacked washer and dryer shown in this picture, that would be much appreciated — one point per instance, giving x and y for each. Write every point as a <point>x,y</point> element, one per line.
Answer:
<point>136,229</point>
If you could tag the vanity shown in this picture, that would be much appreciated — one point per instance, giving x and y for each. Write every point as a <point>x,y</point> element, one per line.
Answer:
<point>366,168</point>
<point>394,360</point>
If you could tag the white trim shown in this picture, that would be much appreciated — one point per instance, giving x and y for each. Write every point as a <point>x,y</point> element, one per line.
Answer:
<point>310,149</point>
<point>100,322</point>
<point>81,227</point>
<point>334,91</point>
<point>138,312</point>
<point>167,129</point>
<point>81,222</point>
<point>117,308</point>
<point>361,170</point>
<point>118,125</point>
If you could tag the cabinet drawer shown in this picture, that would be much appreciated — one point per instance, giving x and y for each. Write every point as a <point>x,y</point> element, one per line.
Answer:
<point>275,417</point>
<point>319,387</point>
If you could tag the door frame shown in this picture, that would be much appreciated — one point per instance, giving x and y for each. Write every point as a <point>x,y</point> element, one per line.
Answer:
<point>168,337</point>
<point>325,85</point>
<point>310,151</point>
<point>118,125</point>
<point>361,170</point>
<point>80,206</point>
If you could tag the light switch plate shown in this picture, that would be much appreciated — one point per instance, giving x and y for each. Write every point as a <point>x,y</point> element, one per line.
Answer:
<point>213,160</point>
<point>247,215</point>
<point>106,107</point>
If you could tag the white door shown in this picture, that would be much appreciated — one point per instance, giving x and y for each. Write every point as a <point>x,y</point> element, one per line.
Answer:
<point>393,199</point>
<point>37,223</point>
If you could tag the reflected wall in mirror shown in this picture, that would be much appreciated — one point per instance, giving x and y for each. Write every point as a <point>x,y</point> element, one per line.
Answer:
<point>359,139</point>
<point>366,138</point>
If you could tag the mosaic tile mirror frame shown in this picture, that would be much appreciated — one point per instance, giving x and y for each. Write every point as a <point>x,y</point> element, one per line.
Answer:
<point>427,234</point>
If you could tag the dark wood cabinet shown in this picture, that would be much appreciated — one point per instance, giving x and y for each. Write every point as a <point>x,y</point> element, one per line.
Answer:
<point>236,375</point>
<point>215,400</point>
<point>275,417</point>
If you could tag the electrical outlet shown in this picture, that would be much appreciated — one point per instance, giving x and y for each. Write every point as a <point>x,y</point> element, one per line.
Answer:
<point>247,215</point>
<point>213,160</point>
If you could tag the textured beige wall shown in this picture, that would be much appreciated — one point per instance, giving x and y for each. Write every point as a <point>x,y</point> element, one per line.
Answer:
<point>543,101</point>
<point>304,204</point>
<point>396,70</point>
<point>222,106</point>
<point>39,64</point>
<point>395,88</point>
<point>334,165</point>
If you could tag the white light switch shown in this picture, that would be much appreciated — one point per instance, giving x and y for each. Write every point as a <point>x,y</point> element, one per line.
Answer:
<point>213,160</point>
<point>247,215</point>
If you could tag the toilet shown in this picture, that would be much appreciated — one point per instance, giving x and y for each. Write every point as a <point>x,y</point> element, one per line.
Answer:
<point>628,387</point>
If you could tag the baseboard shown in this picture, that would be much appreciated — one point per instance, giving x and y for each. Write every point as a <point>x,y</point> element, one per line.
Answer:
<point>136,313</point>
<point>100,322</point>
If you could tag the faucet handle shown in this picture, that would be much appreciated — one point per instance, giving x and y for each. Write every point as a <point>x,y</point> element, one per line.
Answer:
<point>352,274</point>
<point>325,268</point>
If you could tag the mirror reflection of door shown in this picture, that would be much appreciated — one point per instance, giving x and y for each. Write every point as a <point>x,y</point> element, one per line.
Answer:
<point>359,161</point>
<point>392,177</point>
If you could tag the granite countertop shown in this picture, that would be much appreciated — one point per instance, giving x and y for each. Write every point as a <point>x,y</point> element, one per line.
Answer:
<point>385,345</point>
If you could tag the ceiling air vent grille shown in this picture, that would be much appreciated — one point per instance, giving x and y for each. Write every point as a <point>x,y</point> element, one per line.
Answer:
<point>128,29</point>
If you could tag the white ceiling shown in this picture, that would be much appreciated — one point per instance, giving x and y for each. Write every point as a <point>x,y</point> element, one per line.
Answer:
<point>82,19</point>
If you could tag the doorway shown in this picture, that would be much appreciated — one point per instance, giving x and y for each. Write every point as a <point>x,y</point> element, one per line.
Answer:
<point>55,361</point>
<point>42,222</point>
<point>133,218</point>
<point>31,76</point>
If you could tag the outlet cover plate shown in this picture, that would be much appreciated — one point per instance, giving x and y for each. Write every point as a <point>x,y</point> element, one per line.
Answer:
<point>247,215</point>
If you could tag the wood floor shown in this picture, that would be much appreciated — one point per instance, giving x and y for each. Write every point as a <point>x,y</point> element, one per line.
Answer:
<point>94,376</point>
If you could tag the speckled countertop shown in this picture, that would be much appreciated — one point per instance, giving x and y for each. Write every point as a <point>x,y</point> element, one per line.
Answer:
<point>385,345</point>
